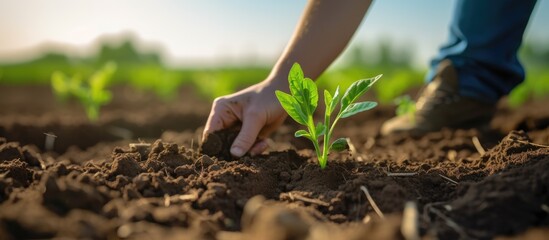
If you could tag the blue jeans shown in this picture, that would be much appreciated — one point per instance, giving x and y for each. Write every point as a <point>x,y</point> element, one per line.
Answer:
<point>483,43</point>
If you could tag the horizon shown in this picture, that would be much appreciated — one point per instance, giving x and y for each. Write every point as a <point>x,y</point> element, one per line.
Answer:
<point>226,35</point>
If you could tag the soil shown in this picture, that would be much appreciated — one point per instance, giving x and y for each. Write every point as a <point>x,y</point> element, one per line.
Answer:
<point>94,185</point>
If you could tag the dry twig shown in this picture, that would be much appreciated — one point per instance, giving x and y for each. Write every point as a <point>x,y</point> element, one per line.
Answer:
<point>371,200</point>
<point>50,141</point>
<point>529,143</point>
<point>308,200</point>
<point>400,174</point>
<point>545,208</point>
<point>353,150</point>
<point>452,155</point>
<point>450,223</point>
<point>448,179</point>
<point>410,228</point>
<point>478,146</point>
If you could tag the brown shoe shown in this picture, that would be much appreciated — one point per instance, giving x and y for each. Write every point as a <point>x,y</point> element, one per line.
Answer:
<point>439,106</point>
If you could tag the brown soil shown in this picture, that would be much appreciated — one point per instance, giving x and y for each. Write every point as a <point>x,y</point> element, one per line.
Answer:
<point>94,185</point>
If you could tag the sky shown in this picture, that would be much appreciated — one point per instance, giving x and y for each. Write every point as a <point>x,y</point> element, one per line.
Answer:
<point>217,32</point>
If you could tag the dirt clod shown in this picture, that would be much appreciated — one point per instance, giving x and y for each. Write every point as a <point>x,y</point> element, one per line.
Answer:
<point>93,187</point>
<point>10,151</point>
<point>126,164</point>
<point>219,143</point>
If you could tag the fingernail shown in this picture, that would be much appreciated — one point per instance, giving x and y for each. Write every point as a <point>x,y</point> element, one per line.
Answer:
<point>237,151</point>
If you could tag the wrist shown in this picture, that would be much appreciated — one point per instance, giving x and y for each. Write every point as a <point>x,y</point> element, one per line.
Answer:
<point>277,82</point>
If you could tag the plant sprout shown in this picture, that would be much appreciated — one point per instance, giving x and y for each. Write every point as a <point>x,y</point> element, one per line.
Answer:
<point>92,93</point>
<point>406,107</point>
<point>303,100</point>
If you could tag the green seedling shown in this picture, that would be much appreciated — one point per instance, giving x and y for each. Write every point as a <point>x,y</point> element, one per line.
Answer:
<point>92,94</point>
<point>406,107</point>
<point>303,100</point>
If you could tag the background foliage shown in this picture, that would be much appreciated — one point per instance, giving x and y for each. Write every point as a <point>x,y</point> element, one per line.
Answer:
<point>147,72</point>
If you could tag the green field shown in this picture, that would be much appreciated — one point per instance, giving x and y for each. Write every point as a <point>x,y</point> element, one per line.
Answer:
<point>147,72</point>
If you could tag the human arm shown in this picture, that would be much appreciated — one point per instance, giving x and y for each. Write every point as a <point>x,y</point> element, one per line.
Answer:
<point>323,31</point>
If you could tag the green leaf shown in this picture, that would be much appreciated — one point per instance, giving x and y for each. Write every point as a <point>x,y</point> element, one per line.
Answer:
<point>302,133</point>
<point>339,145</point>
<point>292,107</point>
<point>357,107</point>
<point>303,89</point>
<point>295,76</point>
<point>320,129</point>
<point>356,90</point>
<point>405,106</point>
<point>101,97</point>
<point>306,95</point>
<point>328,101</point>
<point>100,79</point>
<point>337,96</point>
<point>310,93</point>
<point>60,85</point>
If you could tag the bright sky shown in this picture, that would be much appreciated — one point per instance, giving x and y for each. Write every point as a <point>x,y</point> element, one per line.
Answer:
<point>208,31</point>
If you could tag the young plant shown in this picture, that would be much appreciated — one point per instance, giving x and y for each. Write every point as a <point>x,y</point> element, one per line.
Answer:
<point>406,107</point>
<point>303,100</point>
<point>92,93</point>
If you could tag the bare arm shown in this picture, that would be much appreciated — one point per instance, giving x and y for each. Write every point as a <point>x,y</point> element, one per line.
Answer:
<point>324,30</point>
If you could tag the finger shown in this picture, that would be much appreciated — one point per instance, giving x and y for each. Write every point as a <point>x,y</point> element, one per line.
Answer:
<point>267,130</point>
<point>251,125</point>
<point>220,117</point>
<point>259,147</point>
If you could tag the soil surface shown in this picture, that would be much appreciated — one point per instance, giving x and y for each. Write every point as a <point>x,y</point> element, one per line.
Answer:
<point>140,173</point>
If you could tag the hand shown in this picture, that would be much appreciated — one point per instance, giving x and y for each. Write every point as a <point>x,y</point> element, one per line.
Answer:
<point>257,108</point>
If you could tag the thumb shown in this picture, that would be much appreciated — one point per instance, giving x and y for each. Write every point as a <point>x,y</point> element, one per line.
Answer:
<point>251,126</point>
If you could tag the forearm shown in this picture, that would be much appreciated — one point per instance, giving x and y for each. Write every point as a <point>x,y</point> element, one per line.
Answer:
<point>324,30</point>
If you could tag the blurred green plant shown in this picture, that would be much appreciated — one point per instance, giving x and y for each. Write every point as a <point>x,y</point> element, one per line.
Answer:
<point>535,58</point>
<point>405,107</point>
<point>152,77</point>
<point>536,85</point>
<point>92,93</point>
<point>146,71</point>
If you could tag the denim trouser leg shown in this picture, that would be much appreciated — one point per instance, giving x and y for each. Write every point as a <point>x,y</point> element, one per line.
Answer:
<point>483,43</point>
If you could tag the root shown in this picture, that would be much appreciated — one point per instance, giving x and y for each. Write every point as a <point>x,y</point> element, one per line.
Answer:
<point>372,203</point>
